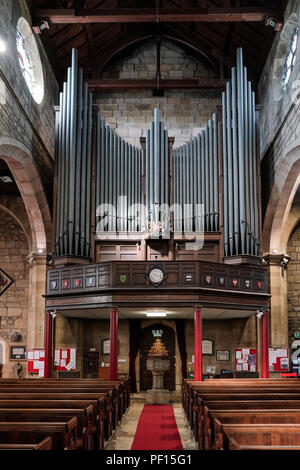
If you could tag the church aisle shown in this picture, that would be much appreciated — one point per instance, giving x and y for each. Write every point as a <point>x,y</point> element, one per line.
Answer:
<point>124,435</point>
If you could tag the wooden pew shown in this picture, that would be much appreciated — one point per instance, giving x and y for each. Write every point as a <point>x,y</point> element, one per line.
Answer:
<point>115,401</point>
<point>258,416</point>
<point>55,395</point>
<point>257,434</point>
<point>101,432</point>
<point>233,445</point>
<point>265,395</point>
<point>63,434</point>
<point>123,387</point>
<point>45,444</point>
<point>84,420</point>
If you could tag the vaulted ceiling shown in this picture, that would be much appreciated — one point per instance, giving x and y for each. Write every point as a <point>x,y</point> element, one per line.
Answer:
<point>211,30</point>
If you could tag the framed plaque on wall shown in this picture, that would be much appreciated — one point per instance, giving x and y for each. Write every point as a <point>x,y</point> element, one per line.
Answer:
<point>105,350</point>
<point>223,355</point>
<point>207,347</point>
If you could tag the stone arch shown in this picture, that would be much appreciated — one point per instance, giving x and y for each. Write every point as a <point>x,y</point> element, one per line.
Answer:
<point>22,166</point>
<point>3,351</point>
<point>278,224</point>
<point>286,182</point>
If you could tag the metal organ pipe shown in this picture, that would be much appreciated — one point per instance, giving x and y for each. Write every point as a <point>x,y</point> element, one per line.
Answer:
<point>236,225</point>
<point>225,175</point>
<point>74,170</point>
<point>240,165</point>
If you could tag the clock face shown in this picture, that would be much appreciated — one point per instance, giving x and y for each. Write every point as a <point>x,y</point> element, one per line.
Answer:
<point>156,275</point>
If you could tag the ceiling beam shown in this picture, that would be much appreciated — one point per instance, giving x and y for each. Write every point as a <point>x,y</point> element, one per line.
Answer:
<point>139,84</point>
<point>151,15</point>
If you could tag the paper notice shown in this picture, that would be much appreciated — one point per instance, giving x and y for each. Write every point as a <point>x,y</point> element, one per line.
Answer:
<point>238,354</point>
<point>252,368</point>
<point>36,365</point>
<point>69,366</point>
<point>239,367</point>
<point>30,355</point>
<point>63,363</point>
<point>56,357</point>
<point>36,354</point>
<point>246,351</point>
<point>64,354</point>
<point>245,366</point>
<point>42,354</point>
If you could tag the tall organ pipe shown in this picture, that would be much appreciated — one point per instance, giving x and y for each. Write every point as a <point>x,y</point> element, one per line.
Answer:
<point>84,168</point>
<point>254,163</point>
<point>215,172</point>
<point>67,163</point>
<point>78,163</point>
<point>240,164</point>
<point>88,176</point>
<point>246,162</point>
<point>225,175</point>
<point>251,174</point>
<point>59,188</point>
<point>236,225</point>
<point>241,137</point>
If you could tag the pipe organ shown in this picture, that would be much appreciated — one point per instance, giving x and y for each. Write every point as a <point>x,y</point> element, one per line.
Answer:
<point>157,197</point>
<point>118,182</point>
<point>241,228</point>
<point>156,192</point>
<point>195,182</point>
<point>74,154</point>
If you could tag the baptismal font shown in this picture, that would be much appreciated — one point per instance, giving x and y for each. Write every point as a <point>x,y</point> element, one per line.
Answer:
<point>158,363</point>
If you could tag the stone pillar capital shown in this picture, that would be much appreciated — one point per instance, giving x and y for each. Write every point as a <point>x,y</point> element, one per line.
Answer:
<point>276,259</point>
<point>39,259</point>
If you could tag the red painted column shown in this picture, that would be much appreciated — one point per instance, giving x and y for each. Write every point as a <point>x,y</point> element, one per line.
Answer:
<point>265,346</point>
<point>48,345</point>
<point>114,344</point>
<point>198,344</point>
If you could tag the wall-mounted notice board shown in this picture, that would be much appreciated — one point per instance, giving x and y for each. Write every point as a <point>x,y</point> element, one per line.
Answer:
<point>36,361</point>
<point>278,359</point>
<point>245,360</point>
<point>65,359</point>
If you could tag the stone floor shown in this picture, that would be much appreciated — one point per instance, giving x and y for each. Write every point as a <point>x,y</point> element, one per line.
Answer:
<point>124,435</point>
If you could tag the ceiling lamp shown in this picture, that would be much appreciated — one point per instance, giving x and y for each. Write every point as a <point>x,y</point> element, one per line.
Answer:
<point>156,314</point>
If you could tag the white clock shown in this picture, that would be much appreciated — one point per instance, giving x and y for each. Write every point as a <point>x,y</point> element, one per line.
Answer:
<point>156,276</point>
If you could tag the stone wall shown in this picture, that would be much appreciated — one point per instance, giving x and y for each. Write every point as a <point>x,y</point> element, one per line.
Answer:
<point>226,335</point>
<point>184,112</point>
<point>14,301</point>
<point>21,118</point>
<point>293,276</point>
<point>279,115</point>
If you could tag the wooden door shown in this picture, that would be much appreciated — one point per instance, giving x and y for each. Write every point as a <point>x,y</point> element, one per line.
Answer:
<point>91,364</point>
<point>147,340</point>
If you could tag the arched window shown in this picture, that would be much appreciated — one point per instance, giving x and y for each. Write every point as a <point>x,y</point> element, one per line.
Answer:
<point>290,59</point>
<point>29,60</point>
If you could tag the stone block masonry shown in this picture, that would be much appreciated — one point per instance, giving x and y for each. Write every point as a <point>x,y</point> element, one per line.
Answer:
<point>184,112</point>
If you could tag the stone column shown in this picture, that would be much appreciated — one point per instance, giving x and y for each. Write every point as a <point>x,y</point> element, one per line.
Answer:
<point>113,344</point>
<point>48,344</point>
<point>198,344</point>
<point>277,264</point>
<point>265,345</point>
<point>36,304</point>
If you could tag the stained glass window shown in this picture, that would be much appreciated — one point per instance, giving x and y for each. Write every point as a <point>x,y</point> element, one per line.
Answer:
<point>29,60</point>
<point>290,59</point>
<point>25,62</point>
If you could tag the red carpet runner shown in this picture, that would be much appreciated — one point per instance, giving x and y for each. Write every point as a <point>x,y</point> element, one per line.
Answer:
<point>157,429</point>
